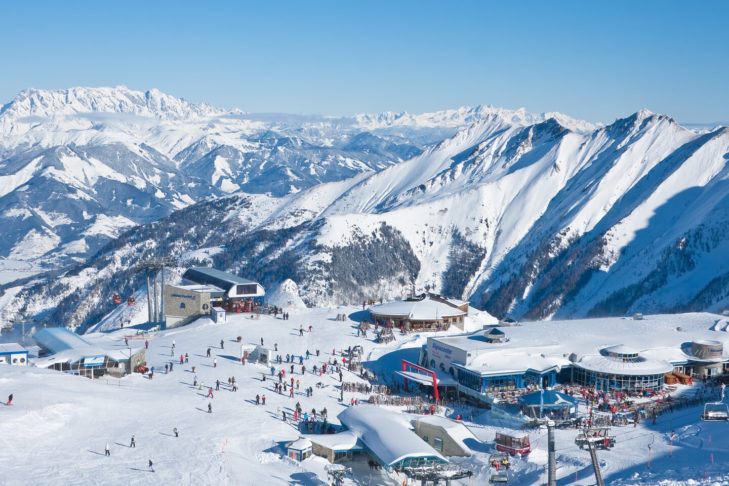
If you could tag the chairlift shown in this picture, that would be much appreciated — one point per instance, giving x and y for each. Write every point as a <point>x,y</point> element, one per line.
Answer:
<point>716,411</point>
<point>599,437</point>
<point>131,301</point>
<point>116,299</point>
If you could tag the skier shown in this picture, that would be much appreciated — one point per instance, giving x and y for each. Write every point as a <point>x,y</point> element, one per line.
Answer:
<point>187,358</point>
<point>10,399</point>
<point>210,392</point>
<point>182,359</point>
<point>301,331</point>
<point>210,407</point>
<point>150,465</point>
<point>261,341</point>
<point>217,385</point>
<point>215,362</point>
<point>106,450</point>
<point>194,381</point>
<point>284,415</point>
<point>146,344</point>
<point>258,399</point>
<point>263,399</point>
<point>133,443</point>
<point>167,367</point>
<point>174,431</point>
<point>208,352</point>
<point>221,344</point>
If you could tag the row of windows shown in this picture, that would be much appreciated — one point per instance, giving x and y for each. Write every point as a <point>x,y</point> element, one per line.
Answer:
<point>605,382</point>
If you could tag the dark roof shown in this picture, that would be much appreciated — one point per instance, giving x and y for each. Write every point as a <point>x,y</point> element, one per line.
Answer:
<point>211,276</point>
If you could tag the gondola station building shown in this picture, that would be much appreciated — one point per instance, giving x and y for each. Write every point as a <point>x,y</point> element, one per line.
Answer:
<point>609,354</point>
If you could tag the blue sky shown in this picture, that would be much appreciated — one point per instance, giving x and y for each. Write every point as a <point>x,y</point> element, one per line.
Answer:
<point>591,60</point>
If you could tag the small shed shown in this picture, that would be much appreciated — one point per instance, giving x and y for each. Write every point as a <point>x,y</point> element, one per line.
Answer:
<point>13,354</point>
<point>218,314</point>
<point>299,449</point>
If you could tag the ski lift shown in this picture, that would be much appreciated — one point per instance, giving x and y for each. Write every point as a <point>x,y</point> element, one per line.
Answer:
<point>116,299</point>
<point>131,301</point>
<point>499,461</point>
<point>716,411</point>
<point>599,437</point>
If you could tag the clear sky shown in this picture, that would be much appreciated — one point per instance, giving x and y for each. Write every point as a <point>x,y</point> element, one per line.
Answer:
<point>591,60</point>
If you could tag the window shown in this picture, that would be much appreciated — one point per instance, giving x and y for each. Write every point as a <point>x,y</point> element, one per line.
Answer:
<point>206,307</point>
<point>15,360</point>
<point>425,438</point>
<point>22,360</point>
<point>182,305</point>
<point>432,363</point>
<point>438,444</point>
<point>246,289</point>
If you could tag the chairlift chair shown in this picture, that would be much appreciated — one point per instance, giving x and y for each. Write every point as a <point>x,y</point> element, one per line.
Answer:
<point>716,411</point>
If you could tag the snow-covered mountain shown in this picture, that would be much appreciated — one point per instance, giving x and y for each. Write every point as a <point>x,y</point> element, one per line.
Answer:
<point>79,166</point>
<point>528,220</point>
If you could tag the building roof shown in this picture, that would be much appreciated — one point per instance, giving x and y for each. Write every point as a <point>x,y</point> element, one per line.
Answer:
<point>57,339</point>
<point>658,339</point>
<point>620,349</point>
<point>217,278</point>
<point>339,442</point>
<point>301,444</point>
<point>6,348</point>
<point>212,289</point>
<point>426,309</point>
<point>69,347</point>
<point>386,434</point>
<point>456,430</point>
<point>644,366</point>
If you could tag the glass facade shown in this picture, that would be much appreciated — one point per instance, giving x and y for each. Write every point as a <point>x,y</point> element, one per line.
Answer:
<point>609,382</point>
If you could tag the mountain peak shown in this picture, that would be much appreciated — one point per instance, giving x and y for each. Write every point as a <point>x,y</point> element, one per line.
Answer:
<point>120,99</point>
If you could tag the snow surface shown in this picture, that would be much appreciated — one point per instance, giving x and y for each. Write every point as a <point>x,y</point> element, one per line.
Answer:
<point>58,425</point>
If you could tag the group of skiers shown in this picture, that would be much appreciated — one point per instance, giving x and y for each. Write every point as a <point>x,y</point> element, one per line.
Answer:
<point>133,445</point>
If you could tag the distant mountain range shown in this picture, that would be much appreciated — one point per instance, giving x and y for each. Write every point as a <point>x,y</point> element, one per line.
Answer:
<point>532,216</point>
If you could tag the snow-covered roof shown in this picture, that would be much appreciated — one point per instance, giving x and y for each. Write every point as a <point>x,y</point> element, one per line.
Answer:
<point>426,309</point>
<point>644,366</point>
<point>87,352</point>
<point>657,339</point>
<point>57,339</point>
<point>11,348</point>
<point>339,442</point>
<point>388,435</point>
<point>212,276</point>
<point>200,288</point>
<point>69,347</point>
<point>301,444</point>
<point>499,362</point>
<point>620,349</point>
<point>456,430</point>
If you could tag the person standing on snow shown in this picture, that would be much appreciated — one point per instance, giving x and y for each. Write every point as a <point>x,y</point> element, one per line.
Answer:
<point>174,431</point>
<point>208,352</point>
<point>150,465</point>
<point>210,407</point>
<point>133,443</point>
<point>10,399</point>
<point>106,450</point>
<point>215,362</point>
<point>146,344</point>
<point>221,344</point>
